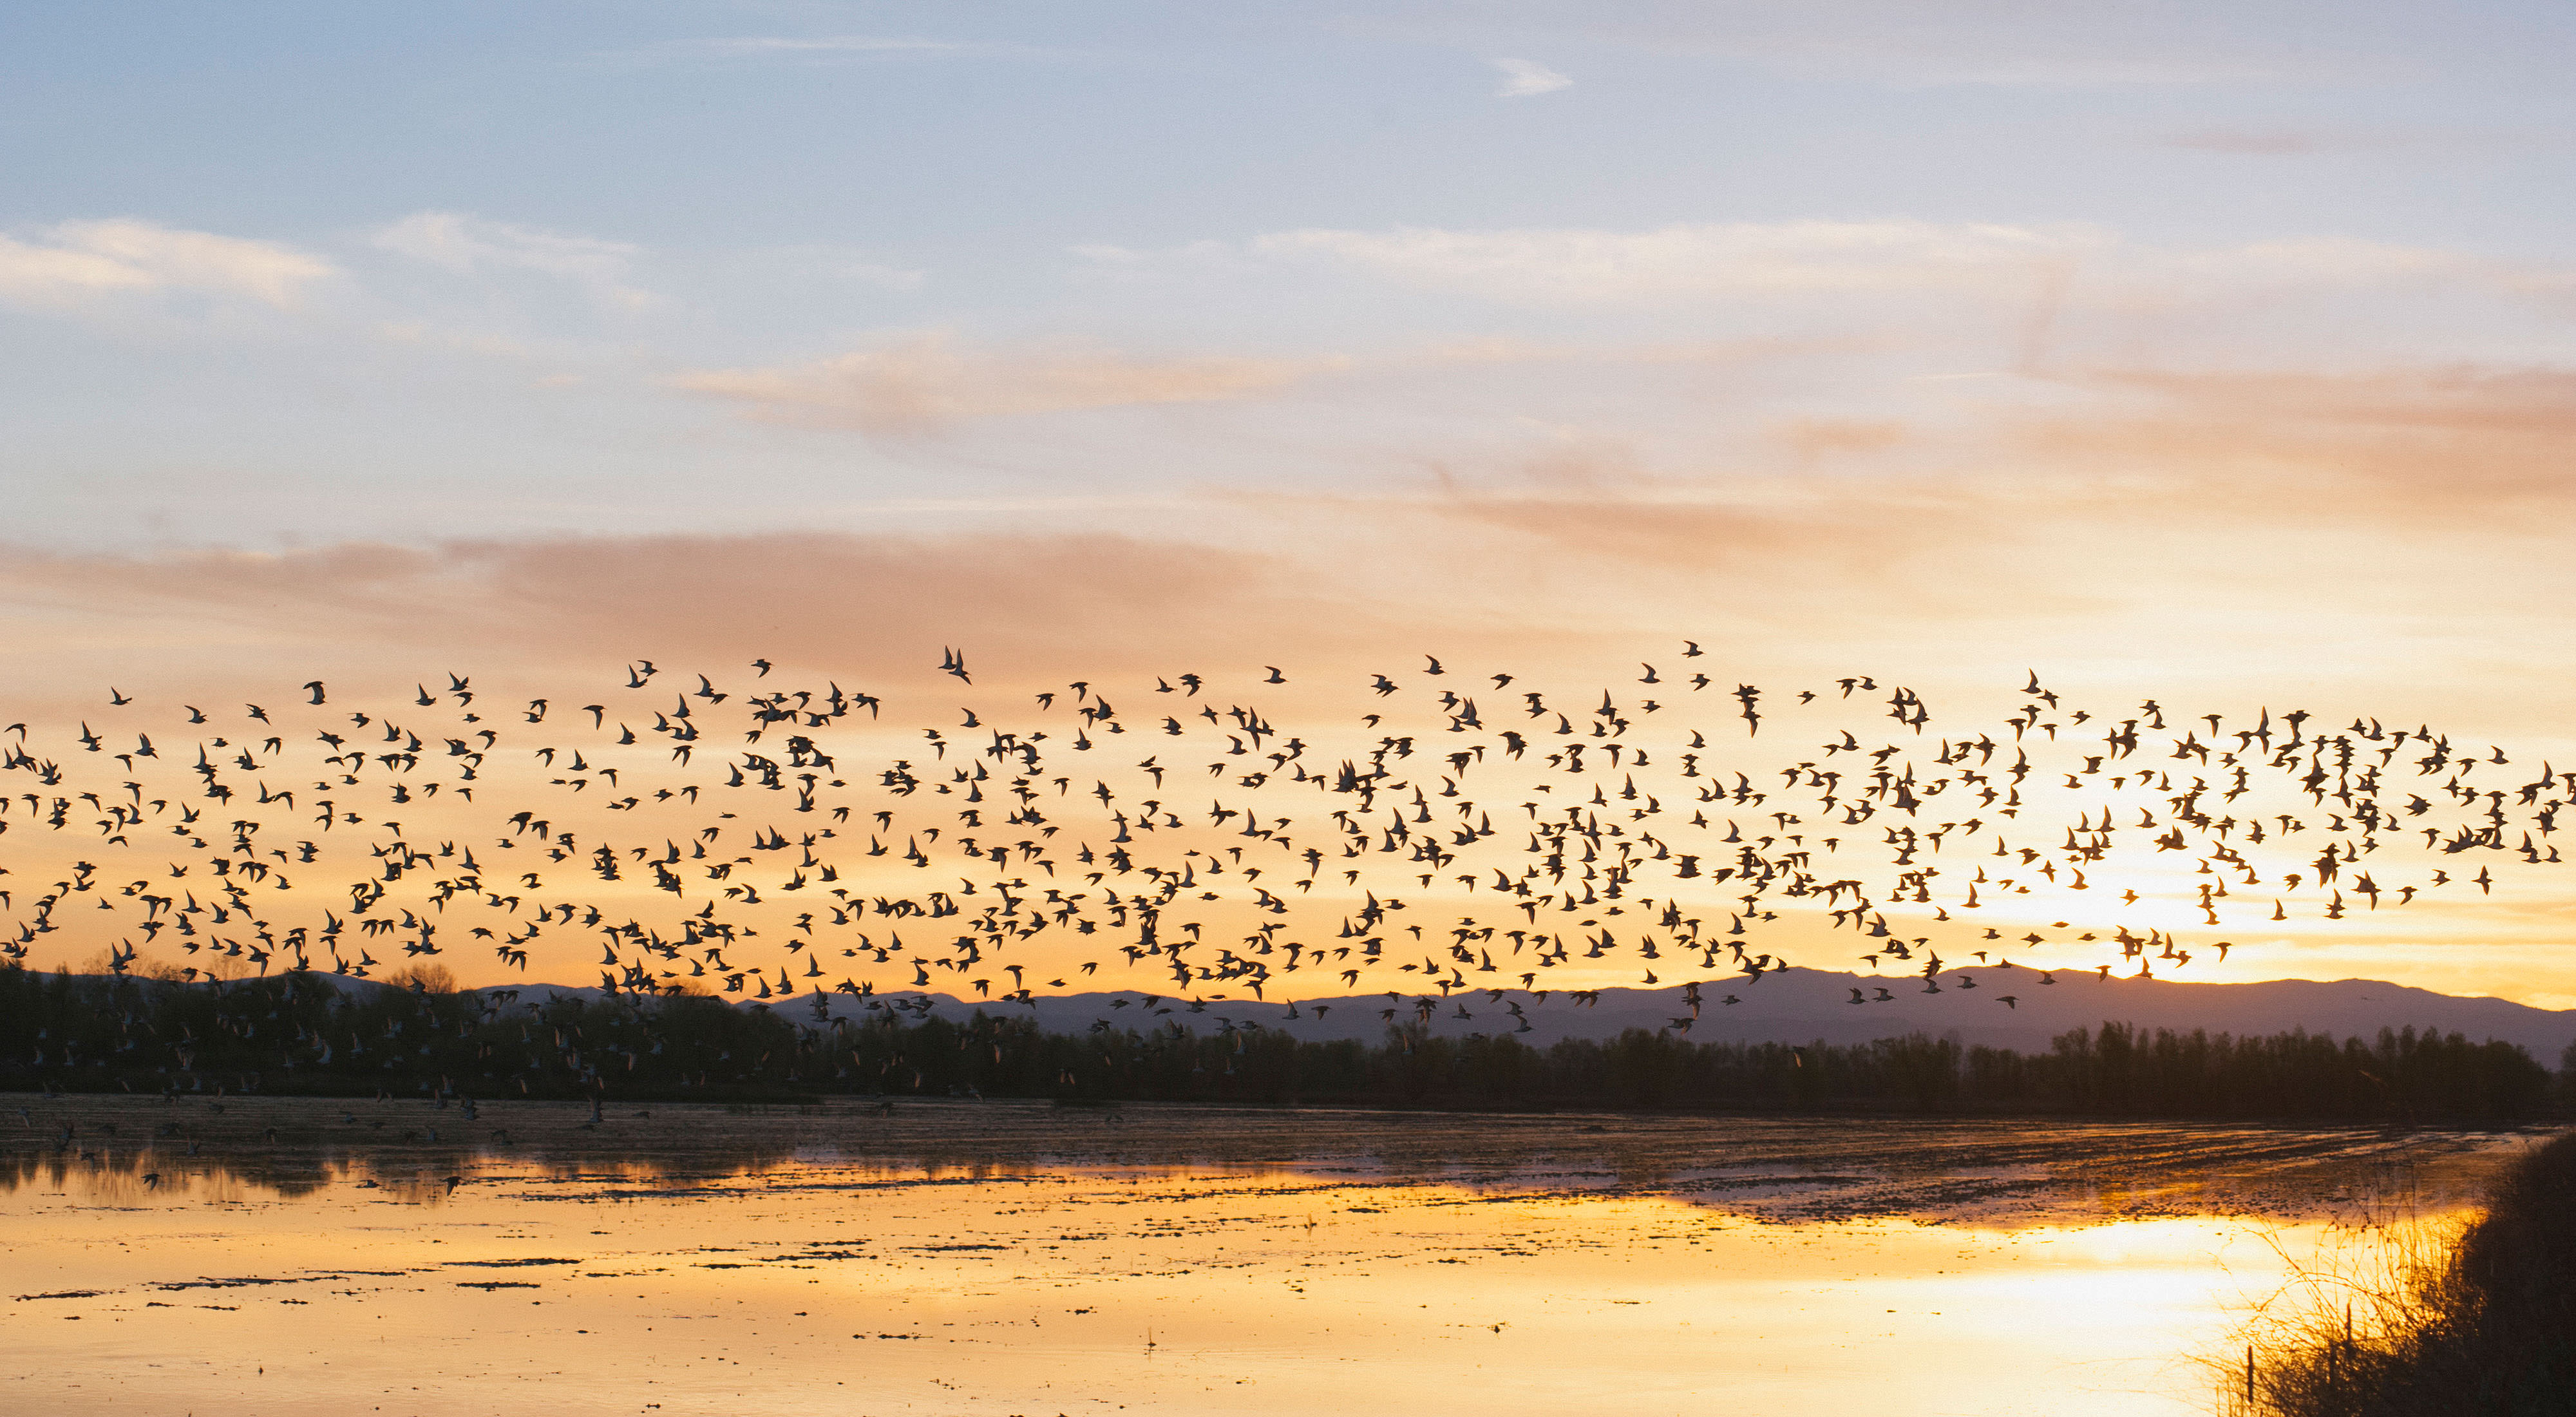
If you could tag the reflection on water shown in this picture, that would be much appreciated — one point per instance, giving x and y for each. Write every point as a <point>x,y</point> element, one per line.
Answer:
<point>309,1257</point>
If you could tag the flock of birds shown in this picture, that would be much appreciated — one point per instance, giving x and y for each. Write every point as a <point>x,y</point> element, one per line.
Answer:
<point>773,842</point>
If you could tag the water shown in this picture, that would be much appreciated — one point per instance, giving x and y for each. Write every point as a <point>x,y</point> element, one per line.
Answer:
<point>1003,1258</point>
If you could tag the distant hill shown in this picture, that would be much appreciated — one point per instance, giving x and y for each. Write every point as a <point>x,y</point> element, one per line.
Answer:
<point>1806,1005</point>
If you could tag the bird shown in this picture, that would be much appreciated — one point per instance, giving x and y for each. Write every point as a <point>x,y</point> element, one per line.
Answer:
<point>409,819</point>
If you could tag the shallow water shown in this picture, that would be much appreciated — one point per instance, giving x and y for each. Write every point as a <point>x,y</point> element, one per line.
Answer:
<point>312,1258</point>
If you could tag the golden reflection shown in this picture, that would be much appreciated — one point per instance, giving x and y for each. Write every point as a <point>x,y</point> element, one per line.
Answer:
<point>1173,1260</point>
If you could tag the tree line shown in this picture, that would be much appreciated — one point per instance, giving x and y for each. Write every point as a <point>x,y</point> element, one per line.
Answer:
<point>301,1034</point>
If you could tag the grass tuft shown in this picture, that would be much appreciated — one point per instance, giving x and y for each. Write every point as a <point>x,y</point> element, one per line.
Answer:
<point>2478,1321</point>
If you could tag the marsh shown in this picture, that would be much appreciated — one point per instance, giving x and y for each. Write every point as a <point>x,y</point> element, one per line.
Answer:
<point>299,1256</point>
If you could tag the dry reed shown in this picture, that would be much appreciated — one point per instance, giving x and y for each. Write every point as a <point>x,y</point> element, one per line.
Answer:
<point>2464,1320</point>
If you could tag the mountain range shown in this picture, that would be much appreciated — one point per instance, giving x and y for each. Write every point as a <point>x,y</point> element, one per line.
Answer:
<point>1799,1006</point>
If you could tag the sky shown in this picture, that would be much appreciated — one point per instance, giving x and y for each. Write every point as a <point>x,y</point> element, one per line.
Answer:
<point>2217,353</point>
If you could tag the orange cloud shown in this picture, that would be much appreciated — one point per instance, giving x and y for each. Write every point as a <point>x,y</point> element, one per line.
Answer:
<point>2118,585</point>
<point>927,383</point>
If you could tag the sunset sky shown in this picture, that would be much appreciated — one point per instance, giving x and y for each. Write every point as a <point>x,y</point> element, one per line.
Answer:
<point>2213,353</point>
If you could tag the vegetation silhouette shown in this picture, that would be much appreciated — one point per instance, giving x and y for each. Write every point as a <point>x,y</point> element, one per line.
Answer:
<point>2482,1327</point>
<point>303,1034</point>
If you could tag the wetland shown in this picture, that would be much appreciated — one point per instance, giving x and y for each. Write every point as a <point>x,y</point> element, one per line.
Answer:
<point>310,1256</point>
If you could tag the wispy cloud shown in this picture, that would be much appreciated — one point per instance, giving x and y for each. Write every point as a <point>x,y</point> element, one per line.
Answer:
<point>1910,42</point>
<point>471,244</point>
<point>820,44</point>
<point>2080,72</point>
<point>840,263</point>
<point>927,383</point>
<point>1576,264</point>
<point>1525,78</point>
<point>826,49</point>
<point>2302,140</point>
<point>2262,142</point>
<point>1836,269</point>
<point>79,262</point>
